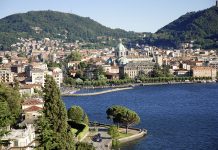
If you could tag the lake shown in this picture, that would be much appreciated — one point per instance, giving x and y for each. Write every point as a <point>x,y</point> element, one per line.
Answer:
<point>177,117</point>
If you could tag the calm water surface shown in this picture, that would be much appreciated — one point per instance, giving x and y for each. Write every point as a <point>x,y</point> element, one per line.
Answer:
<point>177,117</point>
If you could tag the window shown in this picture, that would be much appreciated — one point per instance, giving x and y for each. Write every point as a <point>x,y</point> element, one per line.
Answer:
<point>15,143</point>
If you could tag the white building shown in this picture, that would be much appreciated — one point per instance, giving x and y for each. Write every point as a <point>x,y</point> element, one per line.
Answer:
<point>4,60</point>
<point>21,138</point>
<point>38,76</point>
<point>6,76</point>
<point>57,74</point>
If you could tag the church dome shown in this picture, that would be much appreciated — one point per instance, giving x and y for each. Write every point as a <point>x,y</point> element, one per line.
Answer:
<point>120,48</point>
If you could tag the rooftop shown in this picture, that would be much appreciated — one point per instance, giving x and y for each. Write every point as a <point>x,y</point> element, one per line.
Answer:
<point>32,102</point>
<point>33,108</point>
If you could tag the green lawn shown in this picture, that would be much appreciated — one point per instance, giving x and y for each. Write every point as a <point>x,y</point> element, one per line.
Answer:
<point>122,135</point>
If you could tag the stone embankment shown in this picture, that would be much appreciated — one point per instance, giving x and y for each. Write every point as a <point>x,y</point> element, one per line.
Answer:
<point>138,133</point>
<point>98,93</point>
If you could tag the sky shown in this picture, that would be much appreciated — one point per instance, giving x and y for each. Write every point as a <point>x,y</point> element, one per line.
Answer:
<point>130,15</point>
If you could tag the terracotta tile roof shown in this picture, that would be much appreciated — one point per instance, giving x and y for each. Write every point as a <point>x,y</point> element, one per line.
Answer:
<point>32,108</point>
<point>32,102</point>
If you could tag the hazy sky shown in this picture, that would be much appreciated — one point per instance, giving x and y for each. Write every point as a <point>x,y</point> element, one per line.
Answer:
<point>131,15</point>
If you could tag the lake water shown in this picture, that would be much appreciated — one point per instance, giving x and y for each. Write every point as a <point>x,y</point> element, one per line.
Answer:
<point>177,117</point>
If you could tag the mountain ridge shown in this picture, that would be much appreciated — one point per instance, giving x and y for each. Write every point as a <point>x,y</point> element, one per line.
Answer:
<point>200,27</point>
<point>55,24</point>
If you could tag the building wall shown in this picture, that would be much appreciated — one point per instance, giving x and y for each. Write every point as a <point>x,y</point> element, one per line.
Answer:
<point>32,115</point>
<point>204,72</point>
<point>135,69</point>
<point>38,77</point>
<point>20,137</point>
<point>6,76</point>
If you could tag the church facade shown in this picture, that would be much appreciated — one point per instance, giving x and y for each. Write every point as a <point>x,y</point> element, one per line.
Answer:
<point>132,64</point>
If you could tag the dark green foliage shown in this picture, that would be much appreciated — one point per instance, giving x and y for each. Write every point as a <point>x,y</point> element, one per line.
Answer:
<point>53,64</point>
<point>77,114</point>
<point>10,109</point>
<point>200,27</point>
<point>74,56</point>
<point>54,110</point>
<point>99,73</point>
<point>5,118</point>
<point>54,25</point>
<point>11,97</point>
<point>161,72</point>
<point>69,81</point>
<point>46,136</point>
<point>122,115</point>
<point>53,126</point>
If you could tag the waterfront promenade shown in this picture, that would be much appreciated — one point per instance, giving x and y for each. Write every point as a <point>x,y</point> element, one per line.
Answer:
<point>106,142</point>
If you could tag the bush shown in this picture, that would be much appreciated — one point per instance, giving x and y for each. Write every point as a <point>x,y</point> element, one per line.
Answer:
<point>81,127</point>
<point>84,146</point>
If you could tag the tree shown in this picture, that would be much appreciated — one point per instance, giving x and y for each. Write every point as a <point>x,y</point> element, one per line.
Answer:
<point>122,115</point>
<point>53,126</point>
<point>10,108</point>
<point>77,114</point>
<point>74,56</point>
<point>13,99</point>
<point>5,120</point>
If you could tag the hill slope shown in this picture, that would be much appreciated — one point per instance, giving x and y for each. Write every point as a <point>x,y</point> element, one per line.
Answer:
<point>201,27</point>
<point>54,24</point>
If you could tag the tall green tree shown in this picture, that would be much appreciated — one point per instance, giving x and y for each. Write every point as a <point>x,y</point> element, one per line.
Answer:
<point>53,126</point>
<point>122,115</point>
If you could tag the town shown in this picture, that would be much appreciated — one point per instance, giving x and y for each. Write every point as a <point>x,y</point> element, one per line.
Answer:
<point>73,67</point>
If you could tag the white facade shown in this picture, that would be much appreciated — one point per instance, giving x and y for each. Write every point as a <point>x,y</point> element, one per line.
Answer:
<point>21,137</point>
<point>38,76</point>
<point>6,76</point>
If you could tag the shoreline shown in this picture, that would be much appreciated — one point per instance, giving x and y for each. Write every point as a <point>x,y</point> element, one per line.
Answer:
<point>129,87</point>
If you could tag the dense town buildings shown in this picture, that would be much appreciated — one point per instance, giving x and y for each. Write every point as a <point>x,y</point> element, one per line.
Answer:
<point>33,60</point>
<point>28,64</point>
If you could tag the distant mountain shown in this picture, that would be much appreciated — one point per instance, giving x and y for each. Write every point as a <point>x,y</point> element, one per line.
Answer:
<point>200,27</point>
<point>39,24</point>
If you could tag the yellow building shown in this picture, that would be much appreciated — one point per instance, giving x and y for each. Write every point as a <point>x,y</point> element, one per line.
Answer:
<point>134,69</point>
<point>204,72</point>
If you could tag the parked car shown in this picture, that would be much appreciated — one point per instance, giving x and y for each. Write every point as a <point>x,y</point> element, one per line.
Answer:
<point>97,138</point>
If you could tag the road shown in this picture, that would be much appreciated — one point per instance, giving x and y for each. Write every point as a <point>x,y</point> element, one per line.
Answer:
<point>106,139</point>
